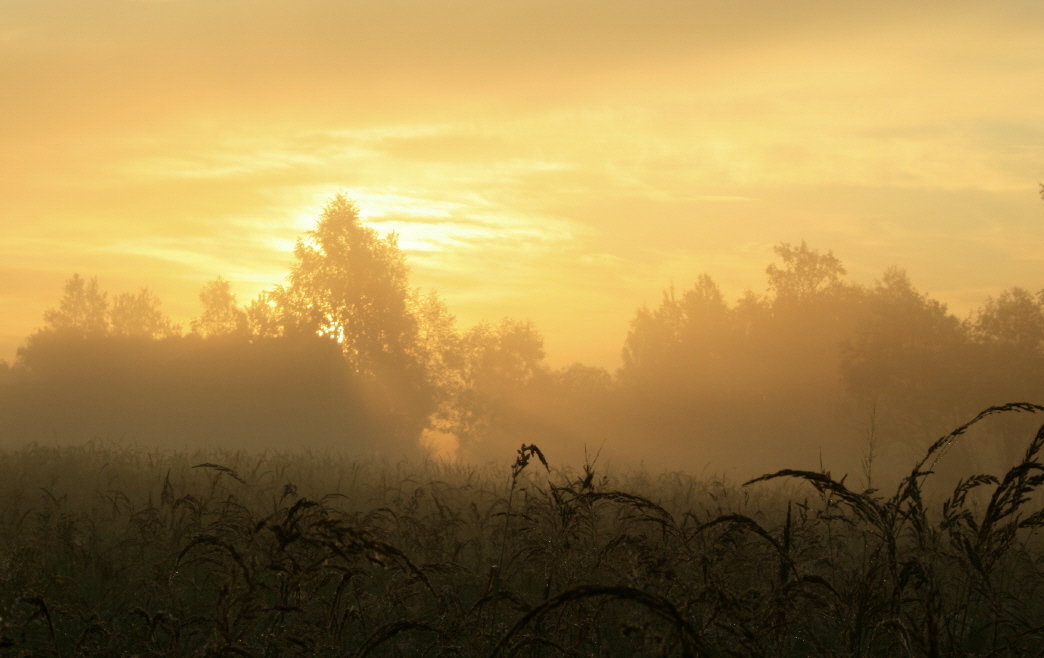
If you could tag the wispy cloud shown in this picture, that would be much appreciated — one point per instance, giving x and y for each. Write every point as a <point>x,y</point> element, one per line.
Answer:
<point>537,159</point>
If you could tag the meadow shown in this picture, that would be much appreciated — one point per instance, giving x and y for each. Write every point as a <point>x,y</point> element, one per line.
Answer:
<point>116,551</point>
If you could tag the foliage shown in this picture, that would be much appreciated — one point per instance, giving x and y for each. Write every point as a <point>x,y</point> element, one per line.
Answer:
<point>83,309</point>
<point>1013,321</point>
<point>497,363</point>
<point>699,371</point>
<point>139,315</point>
<point>907,355</point>
<point>351,285</point>
<point>221,315</point>
<point>687,333</point>
<point>440,349</point>
<point>348,283</point>
<point>797,370</point>
<point>186,391</point>
<point>84,312</point>
<point>805,275</point>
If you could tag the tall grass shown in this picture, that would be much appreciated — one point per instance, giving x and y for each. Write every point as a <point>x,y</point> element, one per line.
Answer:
<point>106,551</point>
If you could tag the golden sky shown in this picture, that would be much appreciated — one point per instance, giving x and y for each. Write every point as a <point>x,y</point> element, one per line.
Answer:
<point>562,161</point>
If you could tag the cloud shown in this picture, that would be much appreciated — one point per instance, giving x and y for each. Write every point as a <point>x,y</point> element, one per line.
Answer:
<point>536,158</point>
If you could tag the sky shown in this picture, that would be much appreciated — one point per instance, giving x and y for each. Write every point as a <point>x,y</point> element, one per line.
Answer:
<point>562,161</point>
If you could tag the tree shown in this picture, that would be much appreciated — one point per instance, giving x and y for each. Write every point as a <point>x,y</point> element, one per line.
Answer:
<point>497,362</point>
<point>682,334</point>
<point>264,314</point>
<point>139,315</point>
<point>72,381</point>
<point>583,381</point>
<point>1015,319</point>
<point>82,311</point>
<point>439,348</point>
<point>221,316</point>
<point>1008,347</point>
<point>805,274</point>
<point>352,285</point>
<point>907,359</point>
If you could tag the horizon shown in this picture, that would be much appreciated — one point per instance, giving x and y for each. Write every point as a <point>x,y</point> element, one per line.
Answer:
<point>611,364</point>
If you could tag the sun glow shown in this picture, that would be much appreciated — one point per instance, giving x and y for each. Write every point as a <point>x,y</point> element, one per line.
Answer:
<point>588,173</point>
<point>442,446</point>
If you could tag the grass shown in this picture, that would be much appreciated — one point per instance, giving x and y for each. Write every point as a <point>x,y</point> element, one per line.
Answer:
<point>108,551</point>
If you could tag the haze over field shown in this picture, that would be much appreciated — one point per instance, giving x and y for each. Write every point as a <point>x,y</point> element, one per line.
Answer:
<point>557,161</point>
<point>492,327</point>
<point>723,238</point>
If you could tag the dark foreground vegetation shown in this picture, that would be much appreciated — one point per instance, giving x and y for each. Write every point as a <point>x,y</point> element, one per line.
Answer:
<point>108,551</point>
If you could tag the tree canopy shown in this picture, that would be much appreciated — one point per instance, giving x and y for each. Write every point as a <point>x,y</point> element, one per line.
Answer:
<point>221,315</point>
<point>347,350</point>
<point>83,309</point>
<point>805,273</point>
<point>350,284</point>
<point>139,315</point>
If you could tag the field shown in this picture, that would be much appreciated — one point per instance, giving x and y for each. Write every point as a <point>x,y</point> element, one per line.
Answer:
<point>109,551</point>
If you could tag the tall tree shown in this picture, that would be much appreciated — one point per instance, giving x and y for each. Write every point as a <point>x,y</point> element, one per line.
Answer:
<point>265,314</point>
<point>221,316</point>
<point>440,348</point>
<point>139,315</point>
<point>496,364</point>
<point>1008,335</point>
<point>83,309</point>
<point>352,285</point>
<point>684,333</point>
<point>907,358</point>
<point>805,273</point>
<point>1014,319</point>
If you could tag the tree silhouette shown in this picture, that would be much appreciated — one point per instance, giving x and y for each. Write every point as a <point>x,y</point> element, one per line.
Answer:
<point>440,348</point>
<point>1008,343</point>
<point>264,314</point>
<point>221,316</point>
<point>353,286</point>
<point>496,364</point>
<point>805,273</point>
<point>682,334</point>
<point>82,311</point>
<point>908,355</point>
<point>139,316</point>
<point>1014,319</point>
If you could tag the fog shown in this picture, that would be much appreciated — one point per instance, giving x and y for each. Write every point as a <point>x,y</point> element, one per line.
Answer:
<point>811,372</point>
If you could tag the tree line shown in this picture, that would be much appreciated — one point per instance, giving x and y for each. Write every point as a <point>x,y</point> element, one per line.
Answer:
<point>347,353</point>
